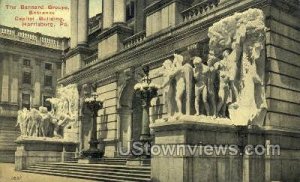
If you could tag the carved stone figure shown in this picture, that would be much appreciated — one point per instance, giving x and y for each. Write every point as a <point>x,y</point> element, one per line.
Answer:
<point>200,76</point>
<point>45,123</point>
<point>168,86</point>
<point>22,121</point>
<point>180,81</point>
<point>224,90</point>
<point>189,88</point>
<point>211,80</point>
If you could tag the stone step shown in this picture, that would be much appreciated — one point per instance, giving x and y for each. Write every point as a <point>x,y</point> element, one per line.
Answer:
<point>96,166</point>
<point>7,156</point>
<point>101,172</point>
<point>92,168</point>
<point>8,147</point>
<point>110,179</point>
<point>106,171</point>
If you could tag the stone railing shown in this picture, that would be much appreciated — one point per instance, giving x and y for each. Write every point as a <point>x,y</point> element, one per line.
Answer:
<point>135,39</point>
<point>199,9</point>
<point>33,38</point>
<point>90,60</point>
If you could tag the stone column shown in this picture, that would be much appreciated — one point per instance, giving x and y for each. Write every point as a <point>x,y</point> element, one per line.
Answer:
<point>108,13</point>
<point>74,23</point>
<point>5,79</point>
<point>83,15</point>
<point>120,11</point>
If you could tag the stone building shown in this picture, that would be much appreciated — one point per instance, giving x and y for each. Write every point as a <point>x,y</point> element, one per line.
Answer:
<point>30,64</point>
<point>261,35</point>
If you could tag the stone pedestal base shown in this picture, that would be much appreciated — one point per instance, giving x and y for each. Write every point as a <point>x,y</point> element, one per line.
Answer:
<point>33,150</point>
<point>213,162</point>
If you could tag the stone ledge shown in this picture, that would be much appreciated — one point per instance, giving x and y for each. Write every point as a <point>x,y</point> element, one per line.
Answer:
<point>28,140</point>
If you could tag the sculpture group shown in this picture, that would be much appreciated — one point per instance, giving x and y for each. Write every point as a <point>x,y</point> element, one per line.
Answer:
<point>43,123</point>
<point>230,82</point>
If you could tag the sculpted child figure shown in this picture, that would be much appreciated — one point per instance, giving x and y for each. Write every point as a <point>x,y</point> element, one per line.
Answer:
<point>200,76</point>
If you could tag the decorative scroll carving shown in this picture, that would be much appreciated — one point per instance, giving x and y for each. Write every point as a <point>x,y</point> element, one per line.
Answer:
<point>62,117</point>
<point>230,83</point>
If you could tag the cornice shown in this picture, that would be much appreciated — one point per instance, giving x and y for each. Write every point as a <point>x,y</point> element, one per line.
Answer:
<point>16,47</point>
<point>158,5</point>
<point>80,49</point>
<point>30,45</point>
<point>116,28</point>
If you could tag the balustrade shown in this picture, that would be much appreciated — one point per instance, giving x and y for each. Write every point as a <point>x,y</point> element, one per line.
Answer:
<point>199,9</point>
<point>32,38</point>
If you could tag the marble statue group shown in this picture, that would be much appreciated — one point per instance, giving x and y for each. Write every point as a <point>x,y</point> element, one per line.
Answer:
<point>43,123</point>
<point>230,82</point>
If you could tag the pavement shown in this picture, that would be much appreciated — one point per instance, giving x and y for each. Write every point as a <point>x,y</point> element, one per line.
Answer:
<point>8,174</point>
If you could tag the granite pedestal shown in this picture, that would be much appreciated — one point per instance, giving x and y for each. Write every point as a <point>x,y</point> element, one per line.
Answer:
<point>34,150</point>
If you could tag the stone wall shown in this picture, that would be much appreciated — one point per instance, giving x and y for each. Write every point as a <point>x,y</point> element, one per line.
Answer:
<point>107,120</point>
<point>283,68</point>
<point>213,166</point>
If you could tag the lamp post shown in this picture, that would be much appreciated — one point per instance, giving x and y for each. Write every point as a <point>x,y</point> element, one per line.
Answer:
<point>147,91</point>
<point>93,104</point>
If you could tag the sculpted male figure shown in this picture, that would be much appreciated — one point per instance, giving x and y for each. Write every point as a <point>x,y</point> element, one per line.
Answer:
<point>22,121</point>
<point>200,76</point>
<point>45,122</point>
<point>180,81</point>
<point>167,86</point>
<point>224,90</point>
<point>211,78</point>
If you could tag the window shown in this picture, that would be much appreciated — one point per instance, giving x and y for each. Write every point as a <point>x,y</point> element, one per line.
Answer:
<point>48,66</point>
<point>48,81</point>
<point>46,103</point>
<point>129,10</point>
<point>26,78</point>
<point>26,101</point>
<point>26,62</point>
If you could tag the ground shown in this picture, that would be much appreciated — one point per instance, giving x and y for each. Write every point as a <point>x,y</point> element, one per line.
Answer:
<point>8,174</point>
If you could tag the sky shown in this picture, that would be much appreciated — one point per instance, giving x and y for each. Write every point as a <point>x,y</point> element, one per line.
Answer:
<point>15,17</point>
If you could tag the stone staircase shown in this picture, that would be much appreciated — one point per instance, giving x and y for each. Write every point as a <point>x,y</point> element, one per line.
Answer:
<point>108,170</point>
<point>8,135</point>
